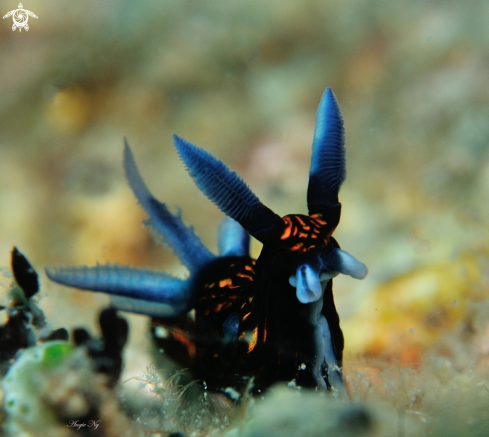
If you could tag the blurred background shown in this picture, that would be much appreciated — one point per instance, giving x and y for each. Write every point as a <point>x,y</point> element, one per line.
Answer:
<point>242,78</point>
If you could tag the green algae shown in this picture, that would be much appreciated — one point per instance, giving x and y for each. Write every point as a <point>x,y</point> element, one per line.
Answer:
<point>25,379</point>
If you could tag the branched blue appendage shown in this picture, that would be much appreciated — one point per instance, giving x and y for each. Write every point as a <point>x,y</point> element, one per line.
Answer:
<point>228,191</point>
<point>187,246</point>
<point>328,161</point>
<point>215,179</point>
<point>233,239</point>
<point>141,284</point>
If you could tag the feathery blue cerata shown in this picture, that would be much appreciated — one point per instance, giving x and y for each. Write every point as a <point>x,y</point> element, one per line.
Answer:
<point>185,243</point>
<point>235,318</point>
<point>127,282</point>
<point>214,178</point>
<point>225,188</point>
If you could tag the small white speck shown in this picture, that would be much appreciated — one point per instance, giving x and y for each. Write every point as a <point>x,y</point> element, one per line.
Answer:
<point>232,393</point>
<point>161,332</point>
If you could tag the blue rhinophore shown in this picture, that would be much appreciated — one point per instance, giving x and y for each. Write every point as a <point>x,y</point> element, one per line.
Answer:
<point>328,161</point>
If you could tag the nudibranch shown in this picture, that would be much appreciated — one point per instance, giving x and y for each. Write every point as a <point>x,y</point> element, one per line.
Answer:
<point>235,318</point>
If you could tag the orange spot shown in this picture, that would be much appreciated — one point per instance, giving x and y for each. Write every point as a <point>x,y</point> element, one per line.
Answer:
<point>318,219</point>
<point>249,268</point>
<point>286,233</point>
<point>245,316</point>
<point>302,235</point>
<point>221,306</point>
<point>300,220</point>
<point>288,228</point>
<point>254,339</point>
<point>242,275</point>
<point>225,282</point>
<point>182,338</point>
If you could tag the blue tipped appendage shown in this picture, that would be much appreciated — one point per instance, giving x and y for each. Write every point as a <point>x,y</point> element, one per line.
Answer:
<point>227,190</point>
<point>187,246</point>
<point>128,282</point>
<point>328,161</point>
<point>214,178</point>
